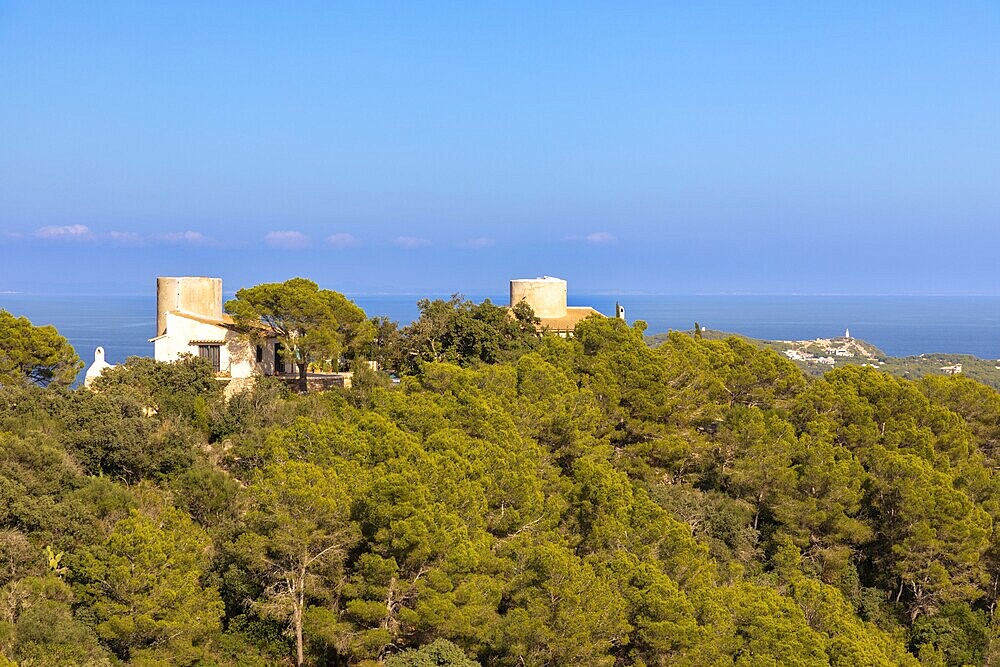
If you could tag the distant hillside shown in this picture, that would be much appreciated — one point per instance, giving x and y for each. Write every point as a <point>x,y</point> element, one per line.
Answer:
<point>817,356</point>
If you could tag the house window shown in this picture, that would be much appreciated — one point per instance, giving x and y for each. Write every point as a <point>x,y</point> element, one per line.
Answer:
<point>212,353</point>
<point>260,353</point>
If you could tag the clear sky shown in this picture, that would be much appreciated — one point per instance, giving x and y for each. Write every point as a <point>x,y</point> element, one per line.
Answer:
<point>665,147</point>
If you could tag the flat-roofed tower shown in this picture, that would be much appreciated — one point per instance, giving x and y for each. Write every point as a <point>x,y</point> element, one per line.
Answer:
<point>545,295</point>
<point>193,295</point>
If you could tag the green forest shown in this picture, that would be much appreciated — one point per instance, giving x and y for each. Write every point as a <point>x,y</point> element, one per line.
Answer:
<point>514,500</point>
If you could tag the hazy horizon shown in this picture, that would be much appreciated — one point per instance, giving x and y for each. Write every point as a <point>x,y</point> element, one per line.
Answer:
<point>488,293</point>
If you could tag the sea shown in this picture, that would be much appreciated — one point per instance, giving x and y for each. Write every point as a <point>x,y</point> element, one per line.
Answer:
<point>898,325</point>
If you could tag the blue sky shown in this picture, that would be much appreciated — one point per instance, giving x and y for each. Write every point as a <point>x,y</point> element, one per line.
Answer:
<point>408,147</point>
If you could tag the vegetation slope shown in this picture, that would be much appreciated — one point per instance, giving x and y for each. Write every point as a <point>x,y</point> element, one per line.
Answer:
<point>515,500</point>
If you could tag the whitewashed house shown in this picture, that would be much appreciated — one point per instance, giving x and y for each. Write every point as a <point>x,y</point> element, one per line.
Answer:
<point>189,320</point>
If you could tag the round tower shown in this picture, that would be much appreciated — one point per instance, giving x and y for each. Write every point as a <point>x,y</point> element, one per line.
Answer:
<point>191,294</point>
<point>545,295</point>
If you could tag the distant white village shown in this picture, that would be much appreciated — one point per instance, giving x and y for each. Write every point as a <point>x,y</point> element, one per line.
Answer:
<point>828,351</point>
<point>825,351</point>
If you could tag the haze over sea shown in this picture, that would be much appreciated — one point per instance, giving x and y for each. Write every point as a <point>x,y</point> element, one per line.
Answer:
<point>899,325</point>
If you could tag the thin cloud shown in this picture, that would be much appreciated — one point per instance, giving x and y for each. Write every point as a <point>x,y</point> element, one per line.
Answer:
<point>600,237</point>
<point>194,238</point>
<point>63,232</point>
<point>288,239</point>
<point>130,238</point>
<point>343,240</point>
<point>410,242</point>
<point>481,242</point>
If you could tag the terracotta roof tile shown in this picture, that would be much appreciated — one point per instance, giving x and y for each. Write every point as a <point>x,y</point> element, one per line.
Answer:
<point>574,315</point>
<point>226,320</point>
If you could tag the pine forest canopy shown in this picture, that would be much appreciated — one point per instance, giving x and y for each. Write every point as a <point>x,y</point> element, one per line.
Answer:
<point>516,499</point>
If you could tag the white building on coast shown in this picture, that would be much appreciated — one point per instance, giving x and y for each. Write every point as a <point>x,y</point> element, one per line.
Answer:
<point>189,320</point>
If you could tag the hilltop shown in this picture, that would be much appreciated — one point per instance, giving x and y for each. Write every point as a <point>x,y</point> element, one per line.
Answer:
<point>820,355</point>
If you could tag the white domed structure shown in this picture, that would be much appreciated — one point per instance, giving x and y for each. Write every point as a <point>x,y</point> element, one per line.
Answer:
<point>97,367</point>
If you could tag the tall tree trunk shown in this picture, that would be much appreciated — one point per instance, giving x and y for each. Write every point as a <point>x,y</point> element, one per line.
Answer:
<point>303,383</point>
<point>300,603</point>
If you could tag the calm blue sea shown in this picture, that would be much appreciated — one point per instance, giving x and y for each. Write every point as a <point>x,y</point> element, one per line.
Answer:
<point>899,325</point>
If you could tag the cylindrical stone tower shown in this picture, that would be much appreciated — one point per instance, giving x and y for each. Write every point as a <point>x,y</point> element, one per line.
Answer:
<point>194,295</point>
<point>545,295</point>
